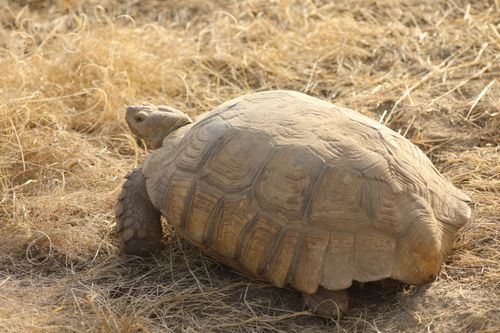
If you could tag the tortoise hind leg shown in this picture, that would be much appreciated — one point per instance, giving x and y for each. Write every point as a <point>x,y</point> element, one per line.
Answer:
<point>138,221</point>
<point>327,303</point>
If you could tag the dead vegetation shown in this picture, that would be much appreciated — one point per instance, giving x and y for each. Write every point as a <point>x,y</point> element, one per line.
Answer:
<point>428,69</point>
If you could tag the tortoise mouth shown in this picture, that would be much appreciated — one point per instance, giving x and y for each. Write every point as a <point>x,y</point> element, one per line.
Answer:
<point>140,143</point>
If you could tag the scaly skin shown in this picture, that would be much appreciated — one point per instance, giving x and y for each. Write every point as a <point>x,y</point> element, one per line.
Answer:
<point>327,303</point>
<point>138,221</point>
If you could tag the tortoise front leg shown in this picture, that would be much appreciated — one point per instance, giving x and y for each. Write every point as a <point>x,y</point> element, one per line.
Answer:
<point>138,221</point>
<point>327,303</point>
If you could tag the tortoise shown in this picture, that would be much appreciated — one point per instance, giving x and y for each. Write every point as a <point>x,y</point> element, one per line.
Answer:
<point>292,190</point>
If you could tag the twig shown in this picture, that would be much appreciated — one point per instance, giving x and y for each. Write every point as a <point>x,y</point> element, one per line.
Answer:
<point>478,98</point>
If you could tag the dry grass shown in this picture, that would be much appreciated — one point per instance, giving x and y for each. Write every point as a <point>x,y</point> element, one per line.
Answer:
<point>67,70</point>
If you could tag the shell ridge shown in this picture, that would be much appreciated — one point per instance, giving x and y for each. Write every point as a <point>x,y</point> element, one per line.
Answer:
<point>274,249</point>
<point>244,235</point>
<point>213,220</point>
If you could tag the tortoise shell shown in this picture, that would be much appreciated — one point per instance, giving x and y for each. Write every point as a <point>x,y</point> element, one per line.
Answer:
<point>295,190</point>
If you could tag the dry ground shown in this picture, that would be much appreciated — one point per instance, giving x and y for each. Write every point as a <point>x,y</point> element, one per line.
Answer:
<point>429,69</point>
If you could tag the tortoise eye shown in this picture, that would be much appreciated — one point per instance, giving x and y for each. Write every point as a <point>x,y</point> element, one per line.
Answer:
<point>139,118</point>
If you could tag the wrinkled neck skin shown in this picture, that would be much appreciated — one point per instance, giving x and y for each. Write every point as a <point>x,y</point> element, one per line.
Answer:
<point>179,131</point>
<point>168,133</point>
<point>175,135</point>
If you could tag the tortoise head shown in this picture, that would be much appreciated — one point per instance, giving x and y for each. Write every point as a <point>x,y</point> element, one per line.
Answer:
<point>153,123</point>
